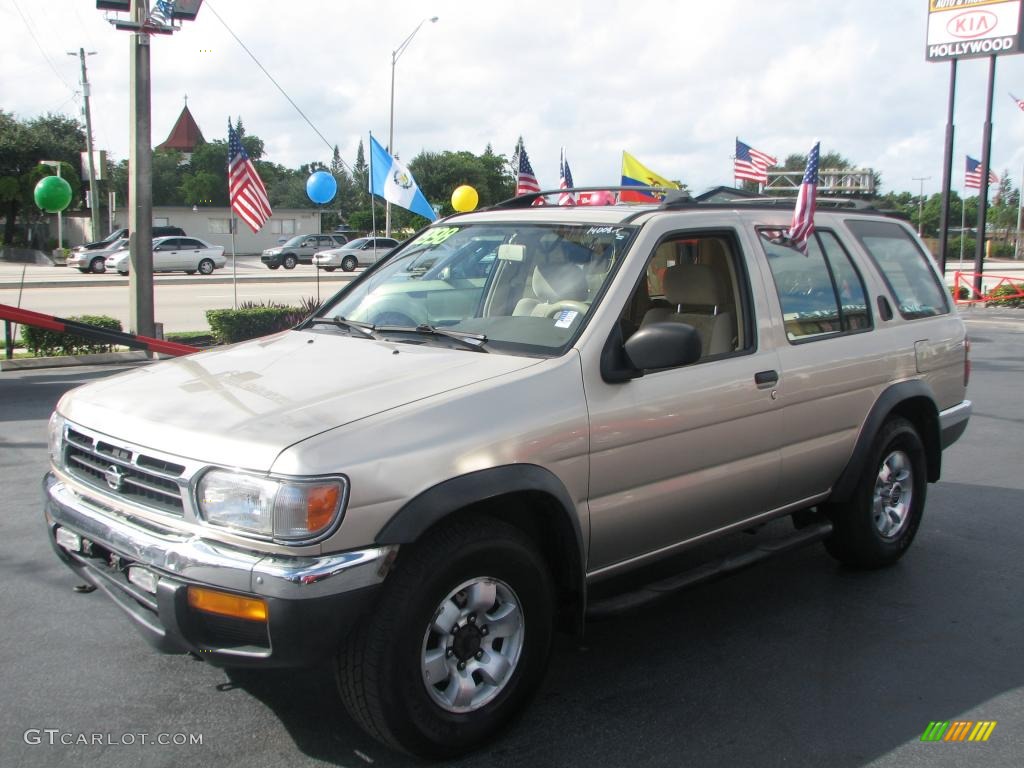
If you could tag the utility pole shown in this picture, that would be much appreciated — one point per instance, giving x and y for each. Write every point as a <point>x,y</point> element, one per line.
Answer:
<point>920,203</point>
<point>94,209</point>
<point>140,180</point>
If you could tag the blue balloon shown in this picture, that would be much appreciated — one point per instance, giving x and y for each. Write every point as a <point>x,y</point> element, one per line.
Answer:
<point>321,187</point>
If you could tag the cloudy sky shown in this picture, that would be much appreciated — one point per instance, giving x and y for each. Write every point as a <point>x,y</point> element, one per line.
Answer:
<point>670,81</point>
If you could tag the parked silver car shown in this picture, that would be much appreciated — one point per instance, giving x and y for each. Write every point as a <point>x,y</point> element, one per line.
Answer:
<point>95,260</point>
<point>480,446</point>
<point>176,254</point>
<point>361,252</point>
<point>299,250</point>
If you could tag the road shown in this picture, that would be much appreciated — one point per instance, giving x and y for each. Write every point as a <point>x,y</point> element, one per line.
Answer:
<point>797,662</point>
<point>180,302</point>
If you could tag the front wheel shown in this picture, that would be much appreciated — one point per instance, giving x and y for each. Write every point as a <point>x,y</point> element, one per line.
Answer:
<point>289,262</point>
<point>206,267</point>
<point>329,269</point>
<point>349,263</point>
<point>98,266</point>
<point>457,644</point>
<point>877,525</point>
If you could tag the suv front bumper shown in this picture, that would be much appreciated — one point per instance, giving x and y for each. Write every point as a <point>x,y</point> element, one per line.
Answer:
<point>312,602</point>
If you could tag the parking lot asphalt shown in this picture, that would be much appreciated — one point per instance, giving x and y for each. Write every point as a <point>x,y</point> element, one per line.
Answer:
<point>797,662</point>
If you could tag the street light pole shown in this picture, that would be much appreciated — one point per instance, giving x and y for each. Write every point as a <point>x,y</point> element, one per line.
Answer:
<point>920,203</point>
<point>94,209</point>
<point>55,164</point>
<point>140,181</point>
<point>395,54</point>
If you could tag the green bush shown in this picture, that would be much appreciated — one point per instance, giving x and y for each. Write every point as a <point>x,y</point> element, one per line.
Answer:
<point>959,293</point>
<point>231,325</point>
<point>1010,291</point>
<point>41,342</point>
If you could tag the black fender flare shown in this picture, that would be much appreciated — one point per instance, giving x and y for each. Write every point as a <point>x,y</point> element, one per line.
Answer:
<point>436,503</point>
<point>884,406</point>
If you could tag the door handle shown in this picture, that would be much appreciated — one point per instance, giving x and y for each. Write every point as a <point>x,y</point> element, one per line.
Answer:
<point>766,378</point>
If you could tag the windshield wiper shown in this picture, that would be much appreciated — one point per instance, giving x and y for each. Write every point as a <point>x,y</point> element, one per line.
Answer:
<point>366,329</point>
<point>474,341</point>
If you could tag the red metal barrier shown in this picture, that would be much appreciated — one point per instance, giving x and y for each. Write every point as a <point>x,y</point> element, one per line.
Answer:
<point>965,281</point>
<point>103,335</point>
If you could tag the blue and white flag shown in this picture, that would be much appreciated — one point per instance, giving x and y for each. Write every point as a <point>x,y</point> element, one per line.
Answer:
<point>392,181</point>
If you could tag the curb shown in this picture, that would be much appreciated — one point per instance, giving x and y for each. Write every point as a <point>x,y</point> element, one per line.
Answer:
<point>67,361</point>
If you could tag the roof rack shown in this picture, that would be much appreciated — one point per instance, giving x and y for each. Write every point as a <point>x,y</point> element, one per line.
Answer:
<point>531,198</point>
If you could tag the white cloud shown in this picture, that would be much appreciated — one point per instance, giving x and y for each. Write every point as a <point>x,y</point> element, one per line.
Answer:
<point>671,82</point>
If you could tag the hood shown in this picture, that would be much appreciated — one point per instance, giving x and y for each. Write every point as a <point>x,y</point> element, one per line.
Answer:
<point>243,405</point>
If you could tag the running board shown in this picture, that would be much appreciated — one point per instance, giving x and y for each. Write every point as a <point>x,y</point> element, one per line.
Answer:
<point>659,589</point>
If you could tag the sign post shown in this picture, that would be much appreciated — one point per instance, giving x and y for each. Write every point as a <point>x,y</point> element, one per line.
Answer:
<point>966,29</point>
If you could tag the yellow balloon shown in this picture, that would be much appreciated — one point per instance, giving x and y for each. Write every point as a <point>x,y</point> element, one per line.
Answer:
<point>464,198</point>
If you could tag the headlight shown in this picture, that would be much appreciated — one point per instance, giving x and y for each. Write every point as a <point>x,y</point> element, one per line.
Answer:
<point>55,438</point>
<point>290,510</point>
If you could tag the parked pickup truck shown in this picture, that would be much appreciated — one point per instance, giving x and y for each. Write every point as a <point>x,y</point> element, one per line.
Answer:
<point>475,449</point>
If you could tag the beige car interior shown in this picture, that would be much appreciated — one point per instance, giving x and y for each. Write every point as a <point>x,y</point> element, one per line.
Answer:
<point>693,280</point>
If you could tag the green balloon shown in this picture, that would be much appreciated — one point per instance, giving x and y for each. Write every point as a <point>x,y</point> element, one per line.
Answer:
<point>52,194</point>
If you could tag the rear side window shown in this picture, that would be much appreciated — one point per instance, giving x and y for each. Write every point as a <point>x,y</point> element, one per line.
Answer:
<point>821,294</point>
<point>904,267</point>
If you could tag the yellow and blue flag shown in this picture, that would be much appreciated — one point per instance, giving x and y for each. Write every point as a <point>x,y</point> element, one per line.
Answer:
<point>636,174</point>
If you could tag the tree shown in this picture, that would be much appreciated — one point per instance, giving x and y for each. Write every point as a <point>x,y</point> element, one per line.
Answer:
<point>23,143</point>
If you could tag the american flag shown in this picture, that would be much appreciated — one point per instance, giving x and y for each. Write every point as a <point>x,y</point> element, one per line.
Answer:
<point>803,214</point>
<point>752,164</point>
<point>162,13</point>
<point>972,175</point>
<point>565,182</point>
<point>526,182</point>
<point>245,188</point>
<point>1018,102</point>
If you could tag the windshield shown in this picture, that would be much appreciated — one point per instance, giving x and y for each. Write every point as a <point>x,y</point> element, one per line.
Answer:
<point>293,242</point>
<point>527,288</point>
<point>359,242</point>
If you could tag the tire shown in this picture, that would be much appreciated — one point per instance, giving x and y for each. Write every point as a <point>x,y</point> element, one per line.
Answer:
<point>273,266</point>
<point>484,577</point>
<point>349,263</point>
<point>329,269</point>
<point>123,274</point>
<point>190,271</point>
<point>867,531</point>
<point>206,267</point>
<point>97,266</point>
<point>289,261</point>
<point>86,270</point>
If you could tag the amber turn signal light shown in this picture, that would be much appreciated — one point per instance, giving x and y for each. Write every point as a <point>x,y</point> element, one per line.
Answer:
<point>226,604</point>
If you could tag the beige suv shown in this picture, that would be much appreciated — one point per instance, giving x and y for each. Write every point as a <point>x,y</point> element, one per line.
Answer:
<point>473,451</point>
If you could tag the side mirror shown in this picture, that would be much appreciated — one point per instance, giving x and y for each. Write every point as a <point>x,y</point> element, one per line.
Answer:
<point>663,345</point>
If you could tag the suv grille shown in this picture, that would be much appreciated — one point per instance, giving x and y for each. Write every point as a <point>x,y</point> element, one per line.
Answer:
<point>118,471</point>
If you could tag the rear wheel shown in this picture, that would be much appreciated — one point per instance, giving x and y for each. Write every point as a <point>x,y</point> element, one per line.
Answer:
<point>289,261</point>
<point>206,267</point>
<point>329,269</point>
<point>877,525</point>
<point>457,644</point>
<point>349,263</point>
<point>97,266</point>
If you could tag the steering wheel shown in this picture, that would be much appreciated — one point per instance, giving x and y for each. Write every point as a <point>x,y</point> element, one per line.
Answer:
<point>559,306</point>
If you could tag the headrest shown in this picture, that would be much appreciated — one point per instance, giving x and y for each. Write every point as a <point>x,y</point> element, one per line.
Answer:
<point>693,284</point>
<point>559,282</point>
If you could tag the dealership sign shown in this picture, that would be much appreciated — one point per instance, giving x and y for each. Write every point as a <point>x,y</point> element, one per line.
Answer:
<point>963,29</point>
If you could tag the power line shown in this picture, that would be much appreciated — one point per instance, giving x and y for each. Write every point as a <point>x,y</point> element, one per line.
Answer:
<point>276,84</point>
<point>40,47</point>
